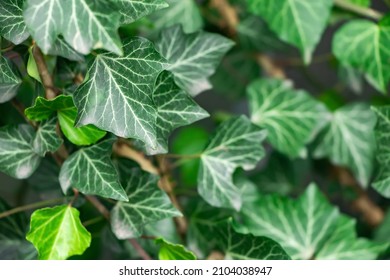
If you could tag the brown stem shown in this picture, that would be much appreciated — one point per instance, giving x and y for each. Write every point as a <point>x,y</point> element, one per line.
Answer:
<point>228,13</point>
<point>362,11</point>
<point>269,67</point>
<point>20,108</point>
<point>44,73</point>
<point>139,249</point>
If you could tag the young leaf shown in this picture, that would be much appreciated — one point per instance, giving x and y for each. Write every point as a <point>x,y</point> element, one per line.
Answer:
<point>117,97</point>
<point>57,233</point>
<point>17,156</point>
<point>183,12</point>
<point>298,22</point>
<point>146,204</point>
<point>175,108</point>
<point>85,24</point>
<point>91,171</point>
<point>12,26</point>
<point>169,251</point>
<point>9,81</point>
<point>362,44</point>
<point>81,136</point>
<point>345,245</point>
<point>237,143</point>
<point>46,138</point>
<point>132,10</point>
<point>43,108</point>
<point>348,140</point>
<point>291,117</point>
<point>187,53</point>
<point>382,182</point>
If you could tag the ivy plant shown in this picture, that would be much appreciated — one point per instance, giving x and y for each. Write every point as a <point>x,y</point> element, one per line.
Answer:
<point>185,130</point>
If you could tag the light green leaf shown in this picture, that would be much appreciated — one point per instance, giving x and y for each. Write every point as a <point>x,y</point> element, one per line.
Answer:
<point>170,251</point>
<point>84,24</point>
<point>12,26</point>
<point>81,136</point>
<point>301,226</point>
<point>348,140</point>
<point>9,81</point>
<point>132,10</point>
<point>91,171</point>
<point>43,109</point>
<point>345,245</point>
<point>298,22</point>
<point>382,181</point>
<point>57,233</point>
<point>147,204</point>
<point>117,97</point>
<point>175,108</point>
<point>17,157</point>
<point>183,12</point>
<point>188,53</point>
<point>239,246</point>
<point>362,44</point>
<point>236,143</point>
<point>291,117</point>
<point>46,138</point>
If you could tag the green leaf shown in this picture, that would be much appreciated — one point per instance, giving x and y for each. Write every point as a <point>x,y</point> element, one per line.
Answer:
<point>62,48</point>
<point>81,136</point>
<point>183,12</point>
<point>91,171</point>
<point>298,22</point>
<point>9,81</point>
<point>345,245</point>
<point>46,138</point>
<point>13,230</point>
<point>382,233</point>
<point>84,24</point>
<point>382,181</point>
<point>239,246</point>
<point>348,140</point>
<point>187,53</point>
<point>17,157</point>
<point>236,143</point>
<point>57,233</point>
<point>291,117</point>
<point>175,108</point>
<point>146,204</point>
<point>132,10</point>
<point>169,251</point>
<point>117,97</point>
<point>362,44</point>
<point>43,109</point>
<point>12,26</point>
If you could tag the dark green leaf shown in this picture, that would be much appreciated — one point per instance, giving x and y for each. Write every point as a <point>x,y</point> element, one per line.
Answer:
<point>12,26</point>
<point>46,138</point>
<point>9,81</point>
<point>132,10</point>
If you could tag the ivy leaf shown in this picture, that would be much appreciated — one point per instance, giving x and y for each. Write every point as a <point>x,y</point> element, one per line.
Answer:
<point>12,26</point>
<point>236,143</point>
<point>9,81</point>
<point>63,49</point>
<point>132,10</point>
<point>291,117</point>
<point>187,53</point>
<point>43,109</point>
<point>348,140</point>
<point>183,12</point>
<point>345,245</point>
<point>169,251</point>
<point>117,97</point>
<point>239,246</point>
<point>84,24</point>
<point>382,181</point>
<point>46,138</point>
<point>298,22</point>
<point>91,171</point>
<point>175,108</point>
<point>17,157</point>
<point>57,233</point>
<point>85,135</point>
<point>146,204</point>
<point>362,44</point>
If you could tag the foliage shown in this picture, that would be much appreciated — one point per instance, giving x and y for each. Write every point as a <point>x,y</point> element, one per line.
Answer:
<point>99,101</point>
